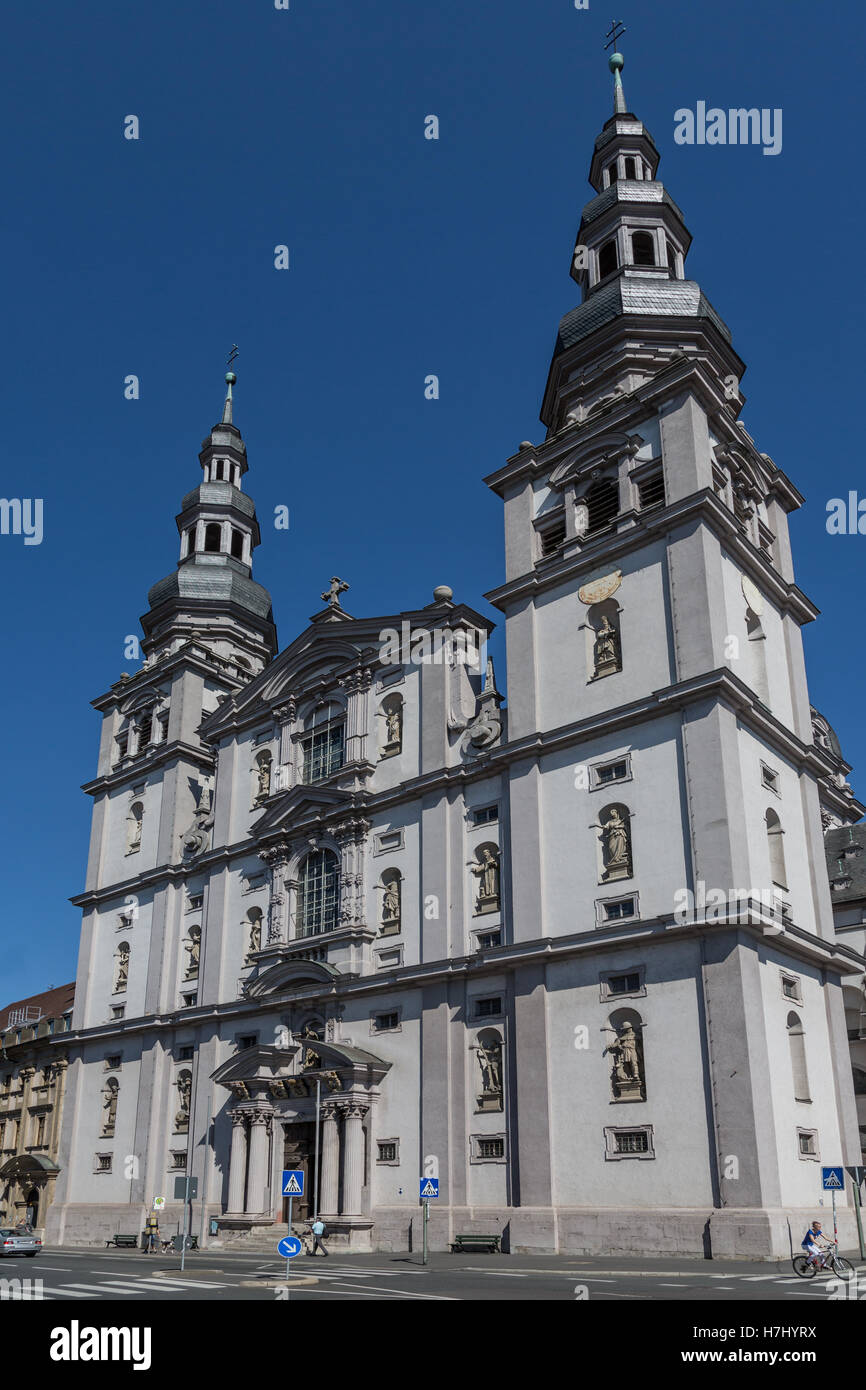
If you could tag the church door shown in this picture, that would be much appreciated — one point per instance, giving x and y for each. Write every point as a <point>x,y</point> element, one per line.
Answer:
<point>299,1152</point>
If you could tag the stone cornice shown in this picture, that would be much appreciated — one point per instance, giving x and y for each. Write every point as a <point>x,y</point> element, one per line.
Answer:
<point>803,945</point>
<point>133,769</point>
<point>611,546</point>
<point>720,684</point>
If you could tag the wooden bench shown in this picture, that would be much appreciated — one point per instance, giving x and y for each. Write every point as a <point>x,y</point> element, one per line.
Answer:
<point>467,1242</point>
<point>123,1242</point>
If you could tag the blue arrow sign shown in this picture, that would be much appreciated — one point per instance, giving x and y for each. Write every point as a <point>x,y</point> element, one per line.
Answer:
<point>832,1179</point>
<point>429,1187</point>
<point>293,1182</point>
<point>289,1247</point>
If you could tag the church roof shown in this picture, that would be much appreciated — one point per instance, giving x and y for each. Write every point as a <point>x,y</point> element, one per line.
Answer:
<point>223,583</point>
<point>845,848</point>
<point>638,297</point>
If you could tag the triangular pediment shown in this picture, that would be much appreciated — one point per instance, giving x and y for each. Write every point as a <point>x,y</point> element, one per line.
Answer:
<point>298,804</point>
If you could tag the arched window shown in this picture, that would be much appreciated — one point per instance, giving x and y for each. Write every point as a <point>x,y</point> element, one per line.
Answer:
<point>602,502</point>
<point>630,170</point>
<point>776,849</point>
<point>190,541</point>
<point>323,746</point>
<point>624,1035</point>
<point>212,537</point>
<point>797,1046</point>
<point>318,893</point>
<point>237,543</point>
<point>615,842</point>
<point>391,885</point>
<point>391,712</point>
<point>254,931</point>
<point>672,257</point>
<point>612,173</point>
<point>643,248</point>
<point>607,259</point>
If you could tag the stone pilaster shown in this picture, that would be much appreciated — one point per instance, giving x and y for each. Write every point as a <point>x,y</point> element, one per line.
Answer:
<point>351,836</point>
<point>358,687</point>
<point>277,859</point>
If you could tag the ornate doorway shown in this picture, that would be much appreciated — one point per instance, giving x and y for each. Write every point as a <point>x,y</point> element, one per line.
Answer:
<point>299,1151</point>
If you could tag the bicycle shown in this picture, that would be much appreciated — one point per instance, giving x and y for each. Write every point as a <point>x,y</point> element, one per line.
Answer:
<point>806,1267</point>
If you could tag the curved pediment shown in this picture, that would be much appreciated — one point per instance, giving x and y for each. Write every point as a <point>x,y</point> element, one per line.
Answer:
<point>600,450</point>
<point>288,974</point>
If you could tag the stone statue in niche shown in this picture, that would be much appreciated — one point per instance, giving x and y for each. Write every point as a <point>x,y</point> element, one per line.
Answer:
<point>486,870</point>
<point>255,936</point>
<point>197,838</point>
<point>490,1062</point>
<point>393,726</point>
<point>617,860</point>
<point>310,1058</point>
<point>391,903</point>
<point>122,974</point>
<point>184,1091</point>
<point>263,778</point>
<point>627,1077</point>
<point>192,946</point>
<point>606,648</point>
<point>133,829</point>
<point>109,1105</point>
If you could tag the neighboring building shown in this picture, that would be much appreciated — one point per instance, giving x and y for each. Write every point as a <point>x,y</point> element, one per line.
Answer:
<point>577,957</point>
<point>33,1062</point>
<point>845,845</point>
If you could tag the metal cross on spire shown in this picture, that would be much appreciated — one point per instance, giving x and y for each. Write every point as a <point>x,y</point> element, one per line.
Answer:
<point>614,33</point>
<point>232,355</point>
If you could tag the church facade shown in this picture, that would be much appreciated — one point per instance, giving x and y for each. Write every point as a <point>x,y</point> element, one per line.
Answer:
<point>346,912</point>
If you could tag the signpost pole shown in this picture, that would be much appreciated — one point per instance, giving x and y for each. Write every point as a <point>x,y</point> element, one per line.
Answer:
<point>185,1219</point>
<point>424,1227</point>
<point>316,1155</point>
<point>835,1230</point>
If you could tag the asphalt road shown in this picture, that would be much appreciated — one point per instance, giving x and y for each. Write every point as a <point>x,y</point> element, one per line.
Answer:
<point>78,1276</point>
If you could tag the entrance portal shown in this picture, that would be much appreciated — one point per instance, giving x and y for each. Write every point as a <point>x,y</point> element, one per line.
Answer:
<point>299,1151</point>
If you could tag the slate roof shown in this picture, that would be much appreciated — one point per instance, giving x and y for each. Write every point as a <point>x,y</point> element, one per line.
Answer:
<point>218,582</point>
<point>53,1003</point>
<point>853,866</point>
<point>640,298</point>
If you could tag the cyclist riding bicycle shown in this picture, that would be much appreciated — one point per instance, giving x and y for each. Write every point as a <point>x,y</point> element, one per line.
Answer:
<point>810,1243</point>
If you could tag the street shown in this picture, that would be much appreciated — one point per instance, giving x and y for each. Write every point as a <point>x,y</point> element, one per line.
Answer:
<point>73,1275</point>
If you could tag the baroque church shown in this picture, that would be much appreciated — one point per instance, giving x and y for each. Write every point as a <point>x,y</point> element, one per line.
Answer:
<point>349,913</point>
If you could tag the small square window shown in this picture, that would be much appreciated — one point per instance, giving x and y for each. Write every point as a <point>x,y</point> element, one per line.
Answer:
<point>614,912</point>
<point>807,1143</point>
<point>624,984</point>
<point>486,940</point>
<point>388,1151</point>
<point>791,988</point>
<point>113,1061</point>
<point>389,839</point>
<point>633,1142</point>
<point>389,960</point>
<point>195,902</point>
<point>385,1023</point>
<point>247,1040</point>
<point>488,1008</point>
<point>188,1001</point>
<point>491,1148</point>
<point>186,1053</point>
<point>178,1159</point>
<point>118,1011</point>
<point>102,1163</point>
<point>769,778</point>
<point>485,814</point>
<point>612,772</point>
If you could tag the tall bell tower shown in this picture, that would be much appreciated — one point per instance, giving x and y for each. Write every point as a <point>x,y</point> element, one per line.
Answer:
<point>665,824</point>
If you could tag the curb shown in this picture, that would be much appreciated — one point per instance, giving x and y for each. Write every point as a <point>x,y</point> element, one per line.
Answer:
<point>278,1283</point>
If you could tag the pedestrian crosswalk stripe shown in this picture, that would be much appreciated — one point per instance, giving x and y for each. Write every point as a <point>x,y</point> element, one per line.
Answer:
<point>69,1293</point>
<point>97,1288</point>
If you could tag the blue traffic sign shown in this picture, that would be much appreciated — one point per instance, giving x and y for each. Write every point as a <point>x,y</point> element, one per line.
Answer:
<point>429,1187</point>
<point>832,1179</point>
<point>289,1247</point>
<point>293,1182</point>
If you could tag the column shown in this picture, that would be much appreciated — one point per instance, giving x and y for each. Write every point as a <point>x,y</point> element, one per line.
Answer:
<point>353,1173</point>
<point>330,1160</point>
<point>258,1175</point>
<point>237,1162</point>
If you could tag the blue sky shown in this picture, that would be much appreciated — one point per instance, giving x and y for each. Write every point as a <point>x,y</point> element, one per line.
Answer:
<point>408,257</point>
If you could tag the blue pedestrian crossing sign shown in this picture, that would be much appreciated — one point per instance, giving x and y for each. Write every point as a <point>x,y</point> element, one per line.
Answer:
<point>832,1179</point>
<point>289,1247</point>
<point>429,1187</point>
<point>293,1182</point>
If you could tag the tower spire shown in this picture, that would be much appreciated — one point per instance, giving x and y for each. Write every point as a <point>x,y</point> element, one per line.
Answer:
<point>616,63</point>
<point>230,381</point>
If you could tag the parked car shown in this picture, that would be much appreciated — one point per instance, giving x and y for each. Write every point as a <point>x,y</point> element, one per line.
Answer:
<point>14,1242</point>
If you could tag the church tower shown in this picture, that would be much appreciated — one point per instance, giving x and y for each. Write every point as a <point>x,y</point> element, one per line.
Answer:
<point>665,824</point>
<point>208,631</point>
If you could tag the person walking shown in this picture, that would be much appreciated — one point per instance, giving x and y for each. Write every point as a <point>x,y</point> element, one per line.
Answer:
<point>318,1229</point>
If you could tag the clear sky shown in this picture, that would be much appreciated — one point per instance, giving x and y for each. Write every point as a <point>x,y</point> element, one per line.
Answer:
<point>305,127</point>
